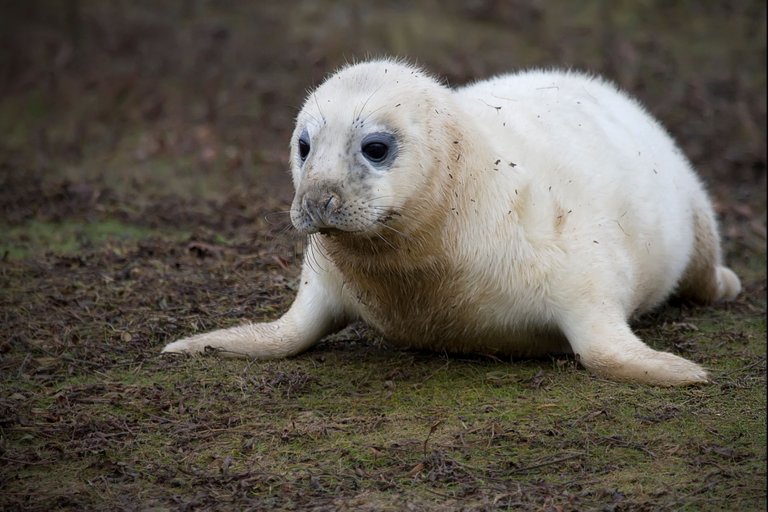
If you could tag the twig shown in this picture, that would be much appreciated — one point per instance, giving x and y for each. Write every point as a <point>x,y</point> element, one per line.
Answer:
<point>431,431</point>
<point>440,494</point>
<point>548,463</point>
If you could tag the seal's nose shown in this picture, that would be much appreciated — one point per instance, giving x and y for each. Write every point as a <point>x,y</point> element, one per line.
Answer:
<point>321,207</point>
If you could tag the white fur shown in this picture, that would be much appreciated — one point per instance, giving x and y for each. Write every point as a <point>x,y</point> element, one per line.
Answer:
<point>559,209</point>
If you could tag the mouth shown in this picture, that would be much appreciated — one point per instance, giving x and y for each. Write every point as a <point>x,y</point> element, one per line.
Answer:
<point>334,218</point>
<point>330,231</point>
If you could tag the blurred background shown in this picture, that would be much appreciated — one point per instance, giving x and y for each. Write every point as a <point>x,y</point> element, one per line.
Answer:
<point>179,111</point>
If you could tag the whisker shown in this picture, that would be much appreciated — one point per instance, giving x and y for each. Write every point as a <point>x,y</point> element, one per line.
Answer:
<point>384,224</point>
<point>393,212</point>
<point>385,240</point>
<point>313,117</point>
<point>363,120</point>
<point>317,103</point>
<point>270,217</point>
<point>285,229</point>
<point>311,254</point>
<point>356,117</point>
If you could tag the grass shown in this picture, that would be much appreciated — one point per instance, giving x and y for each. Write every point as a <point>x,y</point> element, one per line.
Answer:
<point>71,237</point>
<point>408,426</point>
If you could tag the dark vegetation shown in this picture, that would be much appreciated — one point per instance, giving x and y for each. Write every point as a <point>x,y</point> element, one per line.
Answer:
<point>143,197</point>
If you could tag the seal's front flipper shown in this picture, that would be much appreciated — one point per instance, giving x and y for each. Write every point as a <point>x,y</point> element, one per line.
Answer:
<point>316,312</point>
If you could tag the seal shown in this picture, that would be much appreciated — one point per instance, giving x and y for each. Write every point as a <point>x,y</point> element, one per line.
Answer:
<point>526,214</point>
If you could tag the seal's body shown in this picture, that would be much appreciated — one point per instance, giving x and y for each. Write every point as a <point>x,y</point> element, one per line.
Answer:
<point>526,214</point>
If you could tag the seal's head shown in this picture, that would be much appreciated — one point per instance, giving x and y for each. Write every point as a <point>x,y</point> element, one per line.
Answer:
<point>365,147</point>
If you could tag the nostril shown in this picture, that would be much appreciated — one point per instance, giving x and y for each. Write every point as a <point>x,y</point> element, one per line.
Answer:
<point>309,205</point>
<point>331,202</point>
<point>321,207</point>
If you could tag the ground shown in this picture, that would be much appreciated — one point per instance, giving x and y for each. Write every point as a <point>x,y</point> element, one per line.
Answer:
<point>144,196</point>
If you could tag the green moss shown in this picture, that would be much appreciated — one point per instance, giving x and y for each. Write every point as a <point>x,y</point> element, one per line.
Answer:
<point>69,237</point>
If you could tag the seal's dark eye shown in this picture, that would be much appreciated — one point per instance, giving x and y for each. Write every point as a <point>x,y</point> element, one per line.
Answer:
<point>376,151</point>
<point>379,148</point>
<point>304,145</point>
<point>303,149</point>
